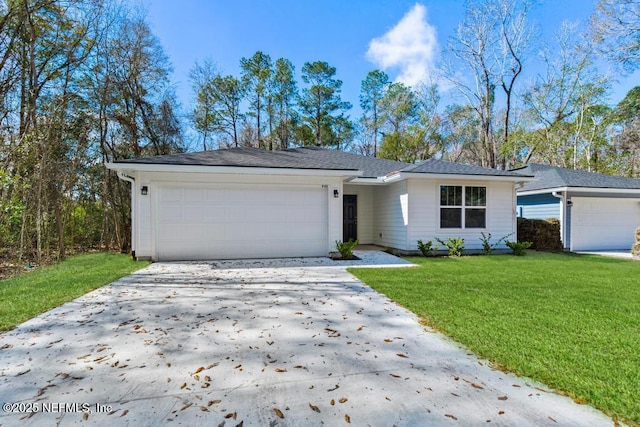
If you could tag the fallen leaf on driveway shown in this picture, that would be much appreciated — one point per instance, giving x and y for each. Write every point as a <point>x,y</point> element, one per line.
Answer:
<point>314,408</point>
<point>502,398</point>
<point>278,412</point>
<point>347,418</point>
<point>402,355</point>
<point>453,417</point>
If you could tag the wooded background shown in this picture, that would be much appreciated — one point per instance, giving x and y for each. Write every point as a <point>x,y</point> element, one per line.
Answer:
<point>84,82</point>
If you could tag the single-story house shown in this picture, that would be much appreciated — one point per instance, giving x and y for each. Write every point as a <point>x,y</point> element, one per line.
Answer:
<point>251,203</point>
<point>596,211</point>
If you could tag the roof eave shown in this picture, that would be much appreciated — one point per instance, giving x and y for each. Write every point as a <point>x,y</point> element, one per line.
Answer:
<point>580,190</point>
<point>147,167</point>
<point>362,180</point>
<point>458,177</point>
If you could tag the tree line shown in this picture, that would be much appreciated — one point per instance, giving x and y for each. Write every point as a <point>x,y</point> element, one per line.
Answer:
<point>84,82</point>
<point>513,99</point>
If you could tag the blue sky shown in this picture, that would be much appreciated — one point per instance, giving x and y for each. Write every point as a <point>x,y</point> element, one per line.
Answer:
<point>355,36</point>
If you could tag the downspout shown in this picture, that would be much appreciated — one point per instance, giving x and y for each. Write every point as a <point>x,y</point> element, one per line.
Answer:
<point>130,179</point>
<point>563,216</point>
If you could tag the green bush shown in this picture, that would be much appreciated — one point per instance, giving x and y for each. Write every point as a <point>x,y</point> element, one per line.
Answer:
<point>346,248</point>
<point>454,244</point>
<point>487,246</point>
<point>544,234</point>
<point>518,248</point>
<point>426,248</point>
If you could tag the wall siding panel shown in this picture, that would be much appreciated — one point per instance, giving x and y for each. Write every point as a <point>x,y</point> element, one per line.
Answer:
<point>390,204</point>
<point>425,213</point>
<point>539,206</point>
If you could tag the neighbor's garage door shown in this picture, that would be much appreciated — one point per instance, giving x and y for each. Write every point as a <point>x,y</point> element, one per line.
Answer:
<point>232,221</point>
<point>603,223</point>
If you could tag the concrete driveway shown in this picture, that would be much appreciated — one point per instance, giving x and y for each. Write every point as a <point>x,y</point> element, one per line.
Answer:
<point>266,343</point>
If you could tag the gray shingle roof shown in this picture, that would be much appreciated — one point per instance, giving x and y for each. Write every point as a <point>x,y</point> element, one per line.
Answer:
<point>314,158</point>
<point>557,177</point>
<point>442,167</point>
<point>294,158</point>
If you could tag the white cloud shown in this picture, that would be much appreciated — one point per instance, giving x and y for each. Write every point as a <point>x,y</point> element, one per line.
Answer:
<point>411,47</point>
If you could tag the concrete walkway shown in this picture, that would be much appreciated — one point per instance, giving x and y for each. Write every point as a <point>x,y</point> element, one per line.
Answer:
<point>264,343</point>
<point>611,254</point>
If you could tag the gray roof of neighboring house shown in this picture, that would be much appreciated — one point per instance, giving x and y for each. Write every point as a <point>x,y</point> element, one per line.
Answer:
<point>314,158</point>
<point>556,177</point>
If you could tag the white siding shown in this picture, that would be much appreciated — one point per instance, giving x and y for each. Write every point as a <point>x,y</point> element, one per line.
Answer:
<point>391,215</point>
<point>424,213</point>
<point>365,211</point>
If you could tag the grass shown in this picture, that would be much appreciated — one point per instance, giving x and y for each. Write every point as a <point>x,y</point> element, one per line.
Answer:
<point>569,321</point>
<point>30,294</point>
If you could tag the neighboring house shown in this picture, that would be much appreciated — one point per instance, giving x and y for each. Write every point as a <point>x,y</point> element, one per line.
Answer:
<point>250,203</point>
<point>596,211</point>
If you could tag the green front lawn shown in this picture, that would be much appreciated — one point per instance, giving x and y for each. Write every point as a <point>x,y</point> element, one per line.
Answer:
<point>569,321</point>
<point>30,294</point>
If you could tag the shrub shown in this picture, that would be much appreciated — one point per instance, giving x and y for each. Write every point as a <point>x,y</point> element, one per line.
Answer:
<point>455,245</point>
<point>635,250</point>
<point>346,249</point>
<point>426,248</point>
<point>543,233</point>
<point>518,247</point>
<point>487,247</point>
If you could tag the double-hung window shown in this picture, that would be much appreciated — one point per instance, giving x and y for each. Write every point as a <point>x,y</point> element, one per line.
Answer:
<point>463,206</point>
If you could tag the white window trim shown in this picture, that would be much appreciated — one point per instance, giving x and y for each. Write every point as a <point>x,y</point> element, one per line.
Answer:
<point>463,207</point>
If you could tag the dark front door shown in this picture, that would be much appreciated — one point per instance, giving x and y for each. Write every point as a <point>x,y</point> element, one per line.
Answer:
<point>349,217</point>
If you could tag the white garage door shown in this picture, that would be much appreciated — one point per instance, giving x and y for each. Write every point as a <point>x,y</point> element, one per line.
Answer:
<point>603,223</point>
<point>233,221</point>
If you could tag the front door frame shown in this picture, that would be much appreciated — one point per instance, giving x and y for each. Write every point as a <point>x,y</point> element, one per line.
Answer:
<point>349,225</point>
